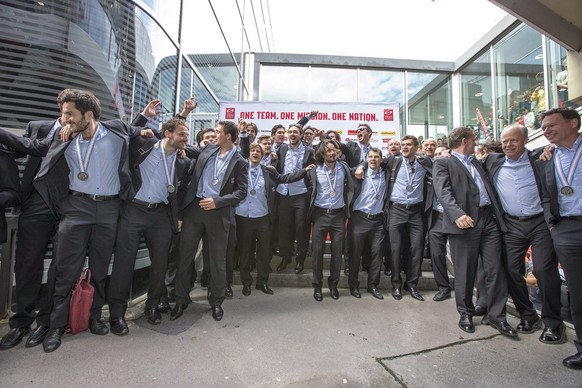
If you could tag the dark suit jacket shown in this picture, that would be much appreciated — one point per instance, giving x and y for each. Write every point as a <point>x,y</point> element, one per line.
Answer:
<point>391,165</point>
<point>459,194</point>
<point>348,190</point>
<point>9,184</point>
<point>547,175</point>
<point>52,179</point>
<point>494,161</point>
<point>234,184</point>
<point>272,179</point>
<point>140,148</point>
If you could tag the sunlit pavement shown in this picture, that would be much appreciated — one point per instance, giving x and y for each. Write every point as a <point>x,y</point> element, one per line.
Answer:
<point>289,339</point>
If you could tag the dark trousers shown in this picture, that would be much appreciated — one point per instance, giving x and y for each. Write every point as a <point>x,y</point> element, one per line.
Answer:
<point>36,226</point>
<point>484,239</point>
<point>481,283</point>
<point>254,232</point>
<point>155,225</point>
<point>292,215</point>
<point>365,232</point>
<point>86,227</point>
<point>438,252</point>
<point>520,235</point>
<point>231,252</point>
<point>172,267</point>
<point>334,224</point>
<point>568,245</point>
<point>196,222</point>
<point>406,223</point>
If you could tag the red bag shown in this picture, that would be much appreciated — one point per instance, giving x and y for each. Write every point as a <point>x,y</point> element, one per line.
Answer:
<point>81,302</point>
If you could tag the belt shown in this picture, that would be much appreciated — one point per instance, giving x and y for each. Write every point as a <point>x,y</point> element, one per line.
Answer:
<point>524,218</point>
<point>571,218</point>
<point>368,215</point>
<point>415,206</point>
<point>148,204</point>
<point>330,211</point>
<point>93,197</point>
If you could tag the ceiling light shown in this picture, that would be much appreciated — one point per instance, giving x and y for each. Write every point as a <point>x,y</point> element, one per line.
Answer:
<point>478,94</point>
<point>440,117</point>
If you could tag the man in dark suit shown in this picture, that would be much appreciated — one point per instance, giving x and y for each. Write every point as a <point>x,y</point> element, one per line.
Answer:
<point>518,189</point>
<point>151,210</point>
<point>331,189</point>
<point>366,226</point>
<point>218,183</point>
<point>471,211</point>
<point>409,184</point>
<point>36,226</point>
<point>83,181</point>
<point>561,180</point>
<point>357,151</point>
<point>9,184</point>
<point>293,199</point>
<point>255,217</point>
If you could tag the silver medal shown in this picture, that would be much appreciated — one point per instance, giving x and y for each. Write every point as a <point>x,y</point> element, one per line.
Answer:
<point>83,176</point>
<point>567,190</point>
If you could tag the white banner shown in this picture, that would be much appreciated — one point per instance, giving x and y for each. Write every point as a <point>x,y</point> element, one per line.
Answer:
<point>384,119</point>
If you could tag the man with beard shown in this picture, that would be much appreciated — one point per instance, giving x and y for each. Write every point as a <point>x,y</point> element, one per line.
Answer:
<point>332,189</point>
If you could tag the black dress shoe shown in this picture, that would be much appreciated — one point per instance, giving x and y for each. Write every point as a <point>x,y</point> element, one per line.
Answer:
<point>118,326</point>
<point>441,295</point>
<point>53,339</point>
<point>13,337</point>
<point>153,315</point>
<point>299,268</point>
<point>333,292</point>
<point>37,336</point>
<point>283,265</point>
<point>529,326</point>
<point>504,328</point>
<point>228,292</point>
<point>246,290</point>
<point>264,288</point>
<point>466,324</point>
<point>554,335</point>
<point>375,293</point>
<point>217,312</point>
<point>396,293</point>
<point>164,307</point>
<point>574,362</point>
<point>480,311</point>
<point>415,294</point>
<point>317,295</point>
<point>96,326</point>
<point>355,293</point>
<point>177,311</point>
<point>485,321</point>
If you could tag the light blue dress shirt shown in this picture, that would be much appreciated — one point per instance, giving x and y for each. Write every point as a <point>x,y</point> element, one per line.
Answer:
<point>154,182</point>
<point>206,188</point>
<point>407,172</point>
<point>373,184</point>
<point>516,187</point>
<point>336,177</point>
<point>570,205</point>
<point>254,205</point>
<point>103,168</point>
<point>293,162</point>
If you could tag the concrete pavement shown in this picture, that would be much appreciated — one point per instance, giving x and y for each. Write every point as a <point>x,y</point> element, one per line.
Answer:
<point>290,340</point>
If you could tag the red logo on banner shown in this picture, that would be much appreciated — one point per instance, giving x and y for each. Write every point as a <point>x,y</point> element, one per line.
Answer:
<point>352,132</point>
<point>385,140</point>
<point>388,115</point>
<point>229,115</point>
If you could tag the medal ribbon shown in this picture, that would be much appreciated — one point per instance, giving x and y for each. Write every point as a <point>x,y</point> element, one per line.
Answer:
<point>572,170</point>
<point>372,182</point>
<point>409,178</point>
<point>219,166</point>
<point>169,174</point>
<point>326,171</point>
<point>258,172</point>
<point>84,163</point>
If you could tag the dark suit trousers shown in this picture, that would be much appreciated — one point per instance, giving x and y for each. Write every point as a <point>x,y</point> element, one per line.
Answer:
<point>485,240</point>
<point>36,226</point>
<point>438,252</point>
<point>254,232</point>
<point>156,227</point>
<point>406,224</point>
<point>520,235</point>
<point>334,224</point>
<point>364,232</point>
<point>568,245</point>
<point>292,216</point>
<point>86,227</point>
<point>195,223</point>
<point>231,251</point>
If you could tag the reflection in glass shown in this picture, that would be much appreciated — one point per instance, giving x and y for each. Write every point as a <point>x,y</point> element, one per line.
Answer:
<point>333,85</point>
<point>558,75</point>
<point>520,79</point>
<point>278,83</point>
<point>477,96</point>
<point>429,104</point>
